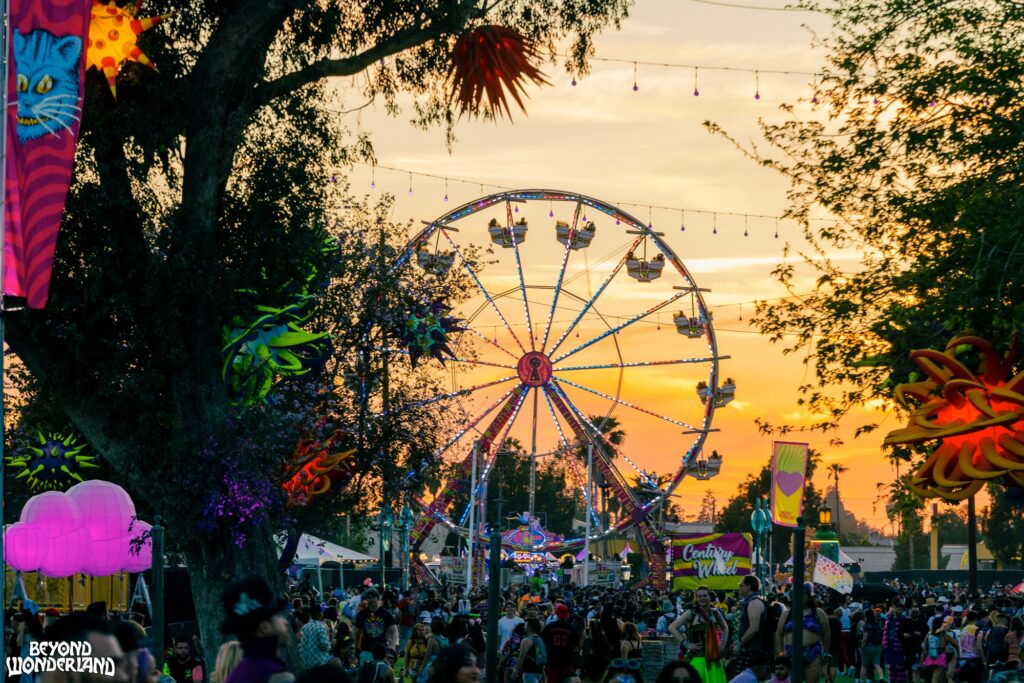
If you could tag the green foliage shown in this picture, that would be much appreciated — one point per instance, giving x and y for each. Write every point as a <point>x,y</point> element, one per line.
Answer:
<point>915,148</point>
<point>1002,527</point>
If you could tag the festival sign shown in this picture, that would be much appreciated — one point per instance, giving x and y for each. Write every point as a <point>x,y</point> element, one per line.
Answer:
<point>718,561</point>
<point>789,467</point>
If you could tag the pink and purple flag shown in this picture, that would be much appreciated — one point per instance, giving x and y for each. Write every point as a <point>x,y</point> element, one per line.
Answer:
<point>46,73</point>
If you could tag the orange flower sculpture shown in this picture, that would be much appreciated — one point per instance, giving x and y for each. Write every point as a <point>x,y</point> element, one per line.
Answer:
<point>487,62</point>
<point>113,32</point>
<point>312,468</point>
<point>978,419</point>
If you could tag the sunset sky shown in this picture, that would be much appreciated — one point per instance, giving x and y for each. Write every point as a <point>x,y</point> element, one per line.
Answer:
<point>637,149</point>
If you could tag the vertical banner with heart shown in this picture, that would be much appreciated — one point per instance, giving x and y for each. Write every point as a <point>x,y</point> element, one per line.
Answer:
<point>46,70</point>
<point>789,472</point>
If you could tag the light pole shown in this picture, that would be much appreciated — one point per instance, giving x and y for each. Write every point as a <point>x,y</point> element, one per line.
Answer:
<point>385,539</point>
<point>405,524</point>
<point>760,523</point>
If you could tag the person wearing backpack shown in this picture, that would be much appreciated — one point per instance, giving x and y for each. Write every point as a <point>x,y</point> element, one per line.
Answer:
<point>933,658</point>
<point>754,633</point>
<point>533,655</point>
<point>377,670</point>
<point>870,647</point>
<point>996,651</point>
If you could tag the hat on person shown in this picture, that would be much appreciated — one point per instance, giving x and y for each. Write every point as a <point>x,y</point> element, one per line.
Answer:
<point>30,606</point>
<point>943,599</point>
<point>371,594</point>
<point>247,603</point>
<point>957,609</point>
<point>562,611</point>
<point>425,617</point>
<point>929,602</point>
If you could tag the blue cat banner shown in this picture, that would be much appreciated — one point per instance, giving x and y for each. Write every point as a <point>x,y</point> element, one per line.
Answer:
<point>45,87</point>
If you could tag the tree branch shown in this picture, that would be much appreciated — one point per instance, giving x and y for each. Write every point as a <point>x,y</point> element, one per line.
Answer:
<point>348,66</point>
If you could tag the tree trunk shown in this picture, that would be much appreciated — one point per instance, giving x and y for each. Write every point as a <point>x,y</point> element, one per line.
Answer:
<point>214,566</point>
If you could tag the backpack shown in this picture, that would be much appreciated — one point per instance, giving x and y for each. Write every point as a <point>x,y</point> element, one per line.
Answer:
<point>540,651</point>
<point>370,672</point>
<point>874,632</point>
<point>995,644</point>
<point>769,622</point>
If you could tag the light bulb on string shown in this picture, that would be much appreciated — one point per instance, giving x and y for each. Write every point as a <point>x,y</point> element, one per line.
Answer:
<point>714,224</point>
<point>410,183</point>
<point>551,209</point>
<point>574,81</point>
<point>745,226</point>
<point>373,177</point>
<point>757,85</point>
<point>814,97</point>
<point>446,189</point>
<point>650,223</point>
<point>696,92</point>
<point>682,221</point>
<point>741,312</point>
<point>635,86</point>
<point>776,228</point>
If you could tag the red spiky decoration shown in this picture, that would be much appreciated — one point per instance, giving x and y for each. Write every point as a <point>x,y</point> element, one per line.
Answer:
<point>489,61</point>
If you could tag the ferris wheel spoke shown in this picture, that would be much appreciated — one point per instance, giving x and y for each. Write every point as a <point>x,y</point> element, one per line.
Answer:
<point>561,274</point>
<point>613,330</point>
<point>492,343</point>
<point>492,455</point>
<point>590,302</point>
<point>597,433</point>
<point>643,364</point>
<point>465,430</point>
<point>457,359</point>
<point>519,271</point>
<point>627,404</point>
<point>587,501</point>
<point>442,397</point>
<point>483,290</point>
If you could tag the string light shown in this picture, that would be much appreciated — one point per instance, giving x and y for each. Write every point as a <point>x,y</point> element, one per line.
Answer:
<point>776,227</point>
<point>635,86</point>
<point>446,189</point>
<point>682,221</point>
<point>373,178</point>
<point>574,81</point>
<point>410,183</point>
<point>745,225</point>
<point>757,85</point>
<point>649,207</point>
<point>696,92</point>
<point>714,224</point>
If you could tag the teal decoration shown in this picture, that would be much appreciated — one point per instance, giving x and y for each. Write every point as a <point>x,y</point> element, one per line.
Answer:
<point>54,464</point>
<point>426,332</point>
<point>271,344</point>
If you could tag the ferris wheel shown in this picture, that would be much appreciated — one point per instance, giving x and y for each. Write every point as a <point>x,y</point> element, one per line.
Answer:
<point>581,316</point>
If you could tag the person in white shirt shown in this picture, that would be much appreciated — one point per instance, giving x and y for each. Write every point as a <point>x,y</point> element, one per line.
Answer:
<point>507,624</point>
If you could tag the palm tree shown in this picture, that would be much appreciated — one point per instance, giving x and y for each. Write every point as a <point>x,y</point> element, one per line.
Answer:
<point>835,470</point>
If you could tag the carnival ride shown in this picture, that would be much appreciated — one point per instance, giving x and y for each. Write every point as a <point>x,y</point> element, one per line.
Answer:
<point>541,333</point>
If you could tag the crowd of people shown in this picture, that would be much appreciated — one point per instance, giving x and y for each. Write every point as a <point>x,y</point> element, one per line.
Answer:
<point>565,634</point>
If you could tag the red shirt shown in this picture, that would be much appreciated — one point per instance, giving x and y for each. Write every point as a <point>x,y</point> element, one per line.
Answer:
<point>404,618</point>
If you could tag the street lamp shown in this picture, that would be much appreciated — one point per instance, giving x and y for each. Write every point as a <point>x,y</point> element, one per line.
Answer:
<point>826,542</point>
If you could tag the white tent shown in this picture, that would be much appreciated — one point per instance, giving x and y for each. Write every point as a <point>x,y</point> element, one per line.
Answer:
<point>843,559</point>
<point>314,552</point>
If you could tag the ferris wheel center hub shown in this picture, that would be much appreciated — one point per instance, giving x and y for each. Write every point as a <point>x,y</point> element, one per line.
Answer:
<point>534,369</point>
